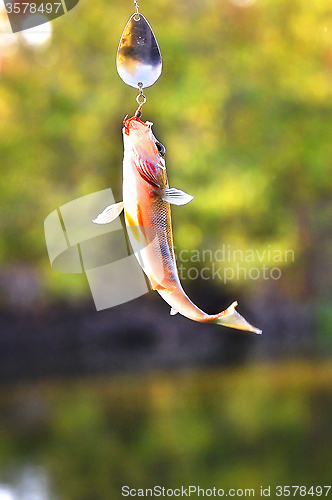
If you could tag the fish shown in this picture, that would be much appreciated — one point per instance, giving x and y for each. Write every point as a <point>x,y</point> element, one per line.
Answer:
<point>147,200</point>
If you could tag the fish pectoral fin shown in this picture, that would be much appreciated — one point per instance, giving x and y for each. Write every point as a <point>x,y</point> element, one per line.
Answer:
<point>173,311</point>
<point>175,196</point>
<point>109,214</point>
<point>148,172</point>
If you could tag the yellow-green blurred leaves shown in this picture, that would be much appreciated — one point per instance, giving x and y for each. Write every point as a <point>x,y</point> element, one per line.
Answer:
<point>243,107</point>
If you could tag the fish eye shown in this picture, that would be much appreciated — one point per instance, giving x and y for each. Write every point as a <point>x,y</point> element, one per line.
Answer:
<point>161,149</point>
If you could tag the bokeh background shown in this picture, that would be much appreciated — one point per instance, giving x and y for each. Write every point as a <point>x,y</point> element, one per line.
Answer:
<point>131,396</point>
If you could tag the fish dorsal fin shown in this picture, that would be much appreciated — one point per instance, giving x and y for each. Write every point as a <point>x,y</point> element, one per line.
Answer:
<point>148,172</point>
<point>176,196</point>
<point>109,214</point>
<point>173,311</point>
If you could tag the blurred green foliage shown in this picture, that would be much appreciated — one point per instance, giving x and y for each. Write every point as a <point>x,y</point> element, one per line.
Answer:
<point>239,428</point>
<point>244,107</point>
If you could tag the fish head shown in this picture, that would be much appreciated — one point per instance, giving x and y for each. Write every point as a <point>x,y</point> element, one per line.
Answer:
<point>139,139</point>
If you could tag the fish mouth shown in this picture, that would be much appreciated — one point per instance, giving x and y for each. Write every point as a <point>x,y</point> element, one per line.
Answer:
<point>135,124</point>
<point>139,139</point>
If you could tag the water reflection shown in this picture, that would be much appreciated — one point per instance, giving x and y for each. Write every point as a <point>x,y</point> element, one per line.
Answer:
<point>28,483</point>
<point>7,493</point>
<point>229,428</point>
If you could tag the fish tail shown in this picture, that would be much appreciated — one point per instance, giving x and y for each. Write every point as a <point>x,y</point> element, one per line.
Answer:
<point>231,318</point>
